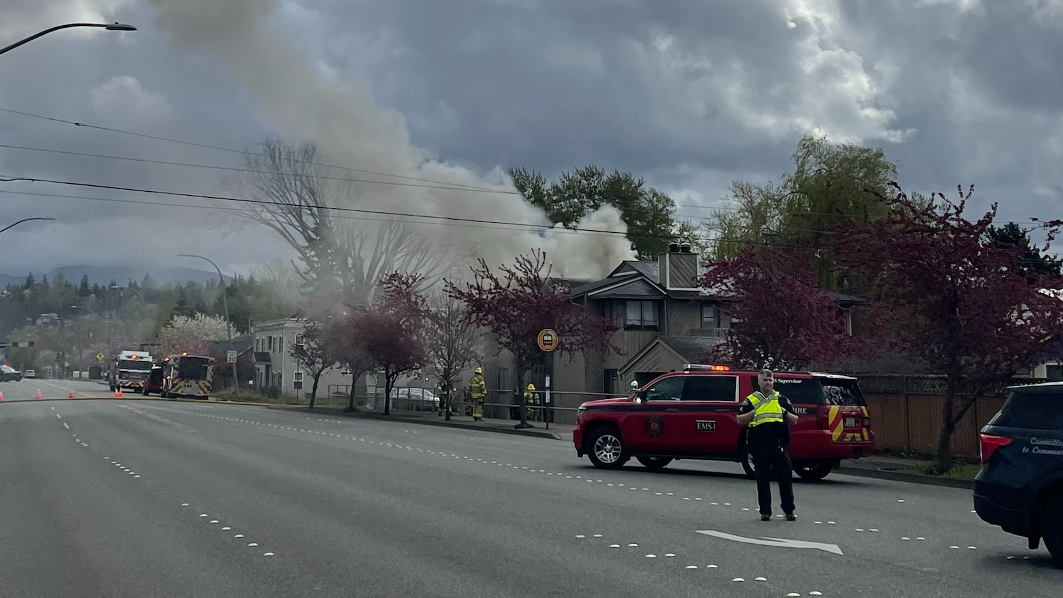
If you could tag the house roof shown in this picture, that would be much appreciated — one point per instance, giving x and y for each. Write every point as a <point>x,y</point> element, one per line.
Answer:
<point>689,349</point>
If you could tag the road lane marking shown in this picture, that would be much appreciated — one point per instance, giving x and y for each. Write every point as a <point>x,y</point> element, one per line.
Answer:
<point>778,542</point>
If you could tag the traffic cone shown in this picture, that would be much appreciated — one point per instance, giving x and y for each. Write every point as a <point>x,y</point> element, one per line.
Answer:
<point>38,394</point>
<point>118,393</point>
<point>70,395</point>
<point>1,396</point>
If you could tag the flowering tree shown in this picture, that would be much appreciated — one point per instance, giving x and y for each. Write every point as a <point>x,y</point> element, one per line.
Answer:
<point>520,301</point>
<point>317,352</point>
<point>782,318</point>
<point>968,309</point>
<point>191,334</point>
<point>390,330</point>
<point>452,340</point>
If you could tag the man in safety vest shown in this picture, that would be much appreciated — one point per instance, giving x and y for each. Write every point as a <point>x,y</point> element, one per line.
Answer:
<point>769,415</point>
<point>478,390</point>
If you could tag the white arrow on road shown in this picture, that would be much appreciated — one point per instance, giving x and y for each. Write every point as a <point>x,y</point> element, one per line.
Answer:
<point>832,548</point>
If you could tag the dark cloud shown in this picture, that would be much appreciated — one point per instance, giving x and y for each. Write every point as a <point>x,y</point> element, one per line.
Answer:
<point>690,94</point>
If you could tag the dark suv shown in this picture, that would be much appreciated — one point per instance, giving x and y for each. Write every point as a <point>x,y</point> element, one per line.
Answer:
<point>1020,486</point>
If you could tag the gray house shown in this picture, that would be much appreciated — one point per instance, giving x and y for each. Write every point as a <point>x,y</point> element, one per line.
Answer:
<point>664,320</point>
<point>275,366</point>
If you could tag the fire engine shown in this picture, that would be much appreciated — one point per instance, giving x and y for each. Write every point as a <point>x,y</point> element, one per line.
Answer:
<point>187,375</point>
<point>130,370</point>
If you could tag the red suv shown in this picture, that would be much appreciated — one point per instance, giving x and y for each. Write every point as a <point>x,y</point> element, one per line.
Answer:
<point>692,414</point>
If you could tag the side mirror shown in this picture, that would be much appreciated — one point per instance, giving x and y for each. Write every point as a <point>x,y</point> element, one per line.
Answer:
<point>634,385</point>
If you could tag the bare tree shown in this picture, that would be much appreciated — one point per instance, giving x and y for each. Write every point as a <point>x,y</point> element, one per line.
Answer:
<point>340,252</point>
<point>452,339</point>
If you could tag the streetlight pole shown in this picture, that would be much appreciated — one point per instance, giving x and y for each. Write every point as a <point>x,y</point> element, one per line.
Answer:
<point>225,300</point>
<point>107,26</point>
<point>13,225</point>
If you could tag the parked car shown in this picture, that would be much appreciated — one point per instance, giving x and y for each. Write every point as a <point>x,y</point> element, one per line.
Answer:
<point>414,399</point>
<point>30,374</point>
<point>9,374</point>
<point>153,384</point>
<point>1020,485</point>
<point>692,414</point>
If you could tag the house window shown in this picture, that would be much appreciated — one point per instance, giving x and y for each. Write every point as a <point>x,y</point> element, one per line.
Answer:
<point>271,344</point>
<point>300,340</point>
<point>641,315</point>
<point>298,381</point>
<point>710,315</point>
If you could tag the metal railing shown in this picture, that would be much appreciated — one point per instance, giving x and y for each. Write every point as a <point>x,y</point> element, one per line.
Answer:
<point>500,403</point>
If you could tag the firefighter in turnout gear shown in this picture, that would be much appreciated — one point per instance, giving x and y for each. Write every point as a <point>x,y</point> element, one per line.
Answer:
<point>443,392</point>
<point>530,403</point>
<point>478,390</point>
<point>769,415</point>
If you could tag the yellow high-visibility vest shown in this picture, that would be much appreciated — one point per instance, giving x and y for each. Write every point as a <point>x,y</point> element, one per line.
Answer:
<point>767,409</point>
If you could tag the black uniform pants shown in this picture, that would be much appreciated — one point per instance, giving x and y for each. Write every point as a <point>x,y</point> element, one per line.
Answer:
<point>773,463</point>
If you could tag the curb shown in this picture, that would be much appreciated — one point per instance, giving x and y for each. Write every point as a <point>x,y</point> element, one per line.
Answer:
<point>912,478</point>
<point>535,433</point>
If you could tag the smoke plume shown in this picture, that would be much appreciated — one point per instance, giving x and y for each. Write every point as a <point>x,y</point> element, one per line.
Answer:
<point>351,129</point>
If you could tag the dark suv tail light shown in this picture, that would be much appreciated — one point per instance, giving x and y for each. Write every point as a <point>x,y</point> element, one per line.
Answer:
<point>990,444</point>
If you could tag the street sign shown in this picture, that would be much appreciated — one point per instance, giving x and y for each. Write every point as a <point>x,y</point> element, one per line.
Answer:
<point>99,357</point>
<point>230,356</point>
<point>547,340</point>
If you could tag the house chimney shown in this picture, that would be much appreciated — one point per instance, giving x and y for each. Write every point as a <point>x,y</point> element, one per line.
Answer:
<point>678,268</point>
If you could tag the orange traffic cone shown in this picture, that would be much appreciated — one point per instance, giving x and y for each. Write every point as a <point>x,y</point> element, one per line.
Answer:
<point>1,396</point>
<point>38,394</point>
<point>70,395</point>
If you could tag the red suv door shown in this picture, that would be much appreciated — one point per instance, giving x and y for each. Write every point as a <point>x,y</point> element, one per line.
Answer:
<point>655,425</point>
<point>708,415</point>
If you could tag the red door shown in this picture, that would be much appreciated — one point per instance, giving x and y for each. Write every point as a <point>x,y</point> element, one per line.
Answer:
<point>709,415</point>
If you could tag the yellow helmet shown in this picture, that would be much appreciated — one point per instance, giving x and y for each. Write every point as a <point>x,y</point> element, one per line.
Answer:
<point>531,387</point>
<point>479,370</point>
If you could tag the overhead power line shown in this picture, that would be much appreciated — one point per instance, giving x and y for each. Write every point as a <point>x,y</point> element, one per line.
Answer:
<point>241,152</point>
<point>441,185</point>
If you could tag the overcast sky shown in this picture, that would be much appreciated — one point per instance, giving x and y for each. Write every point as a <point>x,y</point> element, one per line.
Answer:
<point>690,94</point>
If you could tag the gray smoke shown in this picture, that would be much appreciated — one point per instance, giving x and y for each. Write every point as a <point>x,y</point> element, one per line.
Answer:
<point>351,129</point>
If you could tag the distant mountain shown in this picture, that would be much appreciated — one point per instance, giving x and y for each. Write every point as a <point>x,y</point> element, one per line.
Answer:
<point>103,275</point>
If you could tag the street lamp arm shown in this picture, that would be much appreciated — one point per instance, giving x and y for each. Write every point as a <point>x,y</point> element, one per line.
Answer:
<point>21,221</point>
<point>108,26</point>
<point>225,302</point>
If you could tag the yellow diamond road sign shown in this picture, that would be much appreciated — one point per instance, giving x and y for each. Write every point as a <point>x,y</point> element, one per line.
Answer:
<point>99,357</point>
<point>547,340</point>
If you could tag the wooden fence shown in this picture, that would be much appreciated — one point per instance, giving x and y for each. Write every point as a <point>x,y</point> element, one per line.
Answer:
<point>912,422</point>
<point>906,413</point>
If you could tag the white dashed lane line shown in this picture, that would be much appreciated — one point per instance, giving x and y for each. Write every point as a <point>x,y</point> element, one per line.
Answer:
<point>523,468</point>
<point>227,528</point>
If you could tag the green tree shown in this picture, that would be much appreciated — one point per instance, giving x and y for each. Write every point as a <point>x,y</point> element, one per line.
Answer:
<point>83,288</point>
<point>1031,258</point>
<point>648,213</point>
<point>830,183</point>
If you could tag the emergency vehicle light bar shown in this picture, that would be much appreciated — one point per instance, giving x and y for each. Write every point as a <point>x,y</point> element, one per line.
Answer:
<point>699,366</point>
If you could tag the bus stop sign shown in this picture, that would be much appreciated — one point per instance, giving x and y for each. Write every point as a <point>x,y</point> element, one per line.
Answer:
<point>547,340</point>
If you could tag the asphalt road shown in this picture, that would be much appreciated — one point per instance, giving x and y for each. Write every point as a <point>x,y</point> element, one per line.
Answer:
<point>151,498</point>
